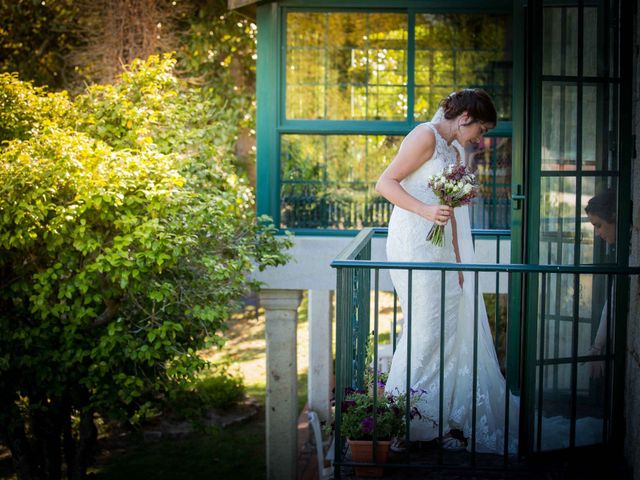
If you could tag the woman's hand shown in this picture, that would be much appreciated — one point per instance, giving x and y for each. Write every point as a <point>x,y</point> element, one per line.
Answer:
<point>461,279</point>
<point>438,214</point>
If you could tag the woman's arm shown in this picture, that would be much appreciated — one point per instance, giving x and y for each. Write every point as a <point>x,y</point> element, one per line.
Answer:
<point>416,148</point>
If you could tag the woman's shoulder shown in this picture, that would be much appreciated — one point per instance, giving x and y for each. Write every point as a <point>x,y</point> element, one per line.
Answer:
<point>422,136</point>
<point>420,143</point>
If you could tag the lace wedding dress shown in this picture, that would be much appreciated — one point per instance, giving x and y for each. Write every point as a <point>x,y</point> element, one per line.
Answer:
<point>406,242</point>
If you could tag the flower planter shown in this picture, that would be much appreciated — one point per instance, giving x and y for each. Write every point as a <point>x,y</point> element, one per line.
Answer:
<point>362,451</point>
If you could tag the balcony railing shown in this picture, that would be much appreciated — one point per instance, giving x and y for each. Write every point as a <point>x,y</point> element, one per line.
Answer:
<point>303,205</point>
<point>544,354</point>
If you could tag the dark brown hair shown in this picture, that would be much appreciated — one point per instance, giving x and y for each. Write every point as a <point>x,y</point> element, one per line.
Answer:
<point>603,205</point>
<point>475,101</point>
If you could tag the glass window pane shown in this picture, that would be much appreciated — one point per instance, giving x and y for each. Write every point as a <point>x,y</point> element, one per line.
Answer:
<point>346,66</point>
<point>557,220</point>
<point>591,130</point>
<point>491,160</point>
<point>598,226</point>
<point>559,127</point>
<point>455,51</point>
<point>328,180</point>
<point>560,41</point>
<point>591,54</point>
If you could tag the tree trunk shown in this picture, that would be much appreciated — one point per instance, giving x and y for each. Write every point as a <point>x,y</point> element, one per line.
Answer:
<point>13,433</point>
<point>47,430</point>
<point>83,450</point>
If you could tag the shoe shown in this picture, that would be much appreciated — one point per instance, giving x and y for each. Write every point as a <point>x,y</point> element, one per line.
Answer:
<point>453,441</point>
<point>398,445</point>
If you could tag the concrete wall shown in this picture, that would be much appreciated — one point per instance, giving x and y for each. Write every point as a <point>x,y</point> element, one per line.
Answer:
<point>311,256</point>
<point>632,393</point>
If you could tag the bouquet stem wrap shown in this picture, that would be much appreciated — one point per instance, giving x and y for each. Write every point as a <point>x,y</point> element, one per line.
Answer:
<point>436,235</point>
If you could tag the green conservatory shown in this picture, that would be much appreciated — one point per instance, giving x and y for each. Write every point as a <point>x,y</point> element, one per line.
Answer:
<point>340,83</point>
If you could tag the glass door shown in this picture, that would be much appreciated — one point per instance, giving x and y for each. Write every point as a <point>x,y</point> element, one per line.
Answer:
<point>574,173</point>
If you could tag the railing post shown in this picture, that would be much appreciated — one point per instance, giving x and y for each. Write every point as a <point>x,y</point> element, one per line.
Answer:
<point>281,312</point>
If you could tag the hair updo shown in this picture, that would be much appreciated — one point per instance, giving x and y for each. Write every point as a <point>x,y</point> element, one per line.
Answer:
<point>603,205</point>
<point>475,101</point>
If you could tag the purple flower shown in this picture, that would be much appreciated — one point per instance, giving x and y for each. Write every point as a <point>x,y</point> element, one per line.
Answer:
<point>346,405</point>
<point>367,425</point>
<point>415,413</point>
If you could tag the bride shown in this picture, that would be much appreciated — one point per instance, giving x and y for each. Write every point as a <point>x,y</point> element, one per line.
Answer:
<point>462,119</point>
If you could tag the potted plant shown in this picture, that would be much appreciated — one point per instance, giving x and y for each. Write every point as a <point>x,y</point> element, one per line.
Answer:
<point>362,422</point>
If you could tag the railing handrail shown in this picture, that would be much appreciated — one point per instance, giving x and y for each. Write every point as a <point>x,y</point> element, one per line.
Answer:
<point>346,258</point>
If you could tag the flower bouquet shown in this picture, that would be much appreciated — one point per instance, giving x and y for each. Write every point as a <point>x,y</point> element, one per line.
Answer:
<point>455,186</point>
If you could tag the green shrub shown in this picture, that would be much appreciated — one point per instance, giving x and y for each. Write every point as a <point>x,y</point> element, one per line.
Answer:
<point>123,249</point>
<point>220,390</point>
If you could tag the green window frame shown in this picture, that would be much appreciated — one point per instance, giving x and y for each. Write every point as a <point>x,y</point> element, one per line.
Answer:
<point>272,124</point>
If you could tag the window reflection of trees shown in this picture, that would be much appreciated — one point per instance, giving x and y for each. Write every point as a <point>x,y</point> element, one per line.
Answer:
<point>328,180</point>
<point>354,66</point>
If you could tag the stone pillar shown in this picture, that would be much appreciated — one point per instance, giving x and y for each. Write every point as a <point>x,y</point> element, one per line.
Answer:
<point>281,312</point>
<point>320,353</point>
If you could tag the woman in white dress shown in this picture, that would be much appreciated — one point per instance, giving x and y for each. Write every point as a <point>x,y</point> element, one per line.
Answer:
<point>462,119</point>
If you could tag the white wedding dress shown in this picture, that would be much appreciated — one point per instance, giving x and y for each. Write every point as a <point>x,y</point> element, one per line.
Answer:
<point>406,242</point>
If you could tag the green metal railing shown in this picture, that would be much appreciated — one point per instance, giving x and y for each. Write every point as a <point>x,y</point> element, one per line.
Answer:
<point>303,206</point>
<point>532,354</point>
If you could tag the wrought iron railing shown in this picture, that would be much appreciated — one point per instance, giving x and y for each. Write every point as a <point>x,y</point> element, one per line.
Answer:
<point>546,378</point>
<point>305,205</point>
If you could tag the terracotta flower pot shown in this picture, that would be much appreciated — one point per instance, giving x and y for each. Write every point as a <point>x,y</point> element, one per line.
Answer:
<point>362,451</point>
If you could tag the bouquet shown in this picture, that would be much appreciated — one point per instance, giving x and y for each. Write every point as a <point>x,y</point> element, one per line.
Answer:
<point>455,186</point>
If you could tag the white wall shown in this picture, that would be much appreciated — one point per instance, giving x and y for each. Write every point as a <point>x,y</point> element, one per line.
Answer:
<point>309,268</point>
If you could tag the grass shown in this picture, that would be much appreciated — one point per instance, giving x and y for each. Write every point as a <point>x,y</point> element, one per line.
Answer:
<point>236,452</point>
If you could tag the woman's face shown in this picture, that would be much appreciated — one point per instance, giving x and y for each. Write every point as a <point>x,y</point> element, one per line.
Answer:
<point>473,132</point>
<point>606,231</point>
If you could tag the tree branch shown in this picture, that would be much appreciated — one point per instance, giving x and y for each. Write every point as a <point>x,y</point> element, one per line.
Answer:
<point>108,314</point>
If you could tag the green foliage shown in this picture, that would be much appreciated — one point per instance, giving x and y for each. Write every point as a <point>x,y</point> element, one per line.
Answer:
<point>125,240</point>
<point>26,110</point>
<point>36,38</point>
<point>221,390</point>
<point>358,412</point>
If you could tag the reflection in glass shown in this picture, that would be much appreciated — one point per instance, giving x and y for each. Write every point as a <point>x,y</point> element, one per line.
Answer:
<point>491,160</point>
<point>559,127</point>
<point>561,335</point>
<point>591,55</point>
<point>560,41</point>
<point>346,66</point>
<point>328,180</point>
<point>557,220</point>
<point>455,51</point>
<point>598,226</point>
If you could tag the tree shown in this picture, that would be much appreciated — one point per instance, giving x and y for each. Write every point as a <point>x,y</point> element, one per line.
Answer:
<point>125,239</point>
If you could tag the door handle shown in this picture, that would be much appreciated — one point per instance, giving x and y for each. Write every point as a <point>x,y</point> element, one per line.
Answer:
<point>517,198</point>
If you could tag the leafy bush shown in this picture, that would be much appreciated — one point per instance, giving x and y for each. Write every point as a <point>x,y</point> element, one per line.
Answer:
<point>220,390</point>
<point>125,239</point>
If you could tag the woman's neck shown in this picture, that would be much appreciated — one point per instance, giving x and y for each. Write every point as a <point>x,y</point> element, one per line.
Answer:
<point>447,130</point>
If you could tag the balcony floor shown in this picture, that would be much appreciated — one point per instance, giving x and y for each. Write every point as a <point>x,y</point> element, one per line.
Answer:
<point>457,466</point>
